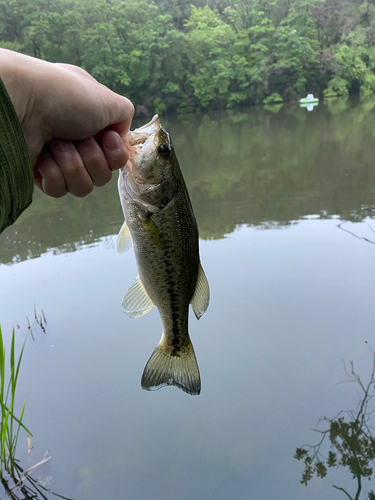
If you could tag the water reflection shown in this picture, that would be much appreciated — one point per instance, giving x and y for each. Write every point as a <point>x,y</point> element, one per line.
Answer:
<point>24,487</point>
<point>251,166</point>
<point>349,440</point>
<point>284,308</point>
<point>32,479</point>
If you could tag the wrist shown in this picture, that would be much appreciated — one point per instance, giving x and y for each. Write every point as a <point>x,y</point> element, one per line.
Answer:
<point>11,73</point>
<point>22,76</point>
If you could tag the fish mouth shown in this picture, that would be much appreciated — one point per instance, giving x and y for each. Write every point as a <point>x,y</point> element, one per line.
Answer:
<point>141,134</point>
<point>140,141</point>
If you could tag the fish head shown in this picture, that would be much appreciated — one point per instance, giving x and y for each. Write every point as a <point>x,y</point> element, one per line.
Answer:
<point>152,171</point>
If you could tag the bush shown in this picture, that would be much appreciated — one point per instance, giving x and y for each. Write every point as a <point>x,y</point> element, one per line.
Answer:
<point>273,99</point>
<point>336,87</point>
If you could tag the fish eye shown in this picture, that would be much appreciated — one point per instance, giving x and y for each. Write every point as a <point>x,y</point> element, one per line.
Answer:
<point>164,151</point>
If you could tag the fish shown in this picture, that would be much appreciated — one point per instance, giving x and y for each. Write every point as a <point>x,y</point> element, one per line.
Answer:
<point>161,226</point>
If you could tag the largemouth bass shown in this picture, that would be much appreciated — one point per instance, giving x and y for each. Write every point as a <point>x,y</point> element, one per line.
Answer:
<point>160,223</point>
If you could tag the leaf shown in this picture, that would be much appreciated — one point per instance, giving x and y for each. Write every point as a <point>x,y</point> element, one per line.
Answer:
<point>300,453</point>
<point>320,469</point>
<point>332,459</point>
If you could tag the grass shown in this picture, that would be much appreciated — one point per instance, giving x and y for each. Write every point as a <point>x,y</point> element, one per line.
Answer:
<point>10,425</point>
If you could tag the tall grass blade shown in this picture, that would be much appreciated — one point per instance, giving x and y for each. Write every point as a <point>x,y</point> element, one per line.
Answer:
<point>16,419</point>
<point>10,425</point>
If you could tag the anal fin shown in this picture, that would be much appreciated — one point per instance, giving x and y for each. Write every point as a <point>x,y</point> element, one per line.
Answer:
<point>201,297</point>
<point>136,301</point>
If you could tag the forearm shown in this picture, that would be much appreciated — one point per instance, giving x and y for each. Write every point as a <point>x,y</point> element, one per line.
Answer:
<point>16,177</point>
<point>27,81</point>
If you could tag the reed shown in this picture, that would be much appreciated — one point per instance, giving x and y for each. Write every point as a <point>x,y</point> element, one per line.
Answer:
<point>10,425</point>
<point>13,477</point>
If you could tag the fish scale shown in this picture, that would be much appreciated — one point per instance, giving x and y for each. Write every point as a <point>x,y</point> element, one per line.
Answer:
<point>169,275</point>
<point>160,222</point>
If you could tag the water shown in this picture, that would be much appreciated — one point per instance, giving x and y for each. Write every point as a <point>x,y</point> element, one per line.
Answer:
<point>292,297</point>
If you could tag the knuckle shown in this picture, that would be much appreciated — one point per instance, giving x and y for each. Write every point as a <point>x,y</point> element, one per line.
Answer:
<point>89,149</point>
<point>71,168</point>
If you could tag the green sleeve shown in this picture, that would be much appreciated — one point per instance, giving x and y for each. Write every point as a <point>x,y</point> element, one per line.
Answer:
<point>16,173</point>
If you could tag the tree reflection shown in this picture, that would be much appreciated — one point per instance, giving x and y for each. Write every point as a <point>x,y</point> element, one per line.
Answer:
<point>351,443</point>
<point>340,226</point>
<point>248,166</point>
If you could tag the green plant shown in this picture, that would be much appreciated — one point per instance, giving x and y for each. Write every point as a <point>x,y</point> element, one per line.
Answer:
<point>336,87</point>
<point>273,98</point>
<point>13,477</point>
<point>10,425</point>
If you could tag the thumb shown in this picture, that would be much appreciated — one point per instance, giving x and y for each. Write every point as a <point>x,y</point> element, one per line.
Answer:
<point>121,112</point>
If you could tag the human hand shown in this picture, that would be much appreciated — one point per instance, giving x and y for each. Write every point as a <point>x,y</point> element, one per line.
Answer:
<point>73,125</point>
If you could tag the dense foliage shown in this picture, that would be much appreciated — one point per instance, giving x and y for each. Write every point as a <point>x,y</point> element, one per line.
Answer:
<point>184,55</point>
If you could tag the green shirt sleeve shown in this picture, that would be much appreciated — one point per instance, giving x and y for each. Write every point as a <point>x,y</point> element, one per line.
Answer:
<point>16,173</point>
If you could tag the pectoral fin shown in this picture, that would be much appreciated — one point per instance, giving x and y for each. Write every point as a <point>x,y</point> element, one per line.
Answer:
<point>155,235</point>
<point>201,297</point>
<point>124,240</point>
<point>136,301</point>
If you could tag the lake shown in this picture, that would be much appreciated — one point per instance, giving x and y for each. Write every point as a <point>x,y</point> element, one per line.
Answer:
<point>285,202</point>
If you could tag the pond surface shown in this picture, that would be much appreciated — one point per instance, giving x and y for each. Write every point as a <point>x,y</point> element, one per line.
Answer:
<point>292,297</point>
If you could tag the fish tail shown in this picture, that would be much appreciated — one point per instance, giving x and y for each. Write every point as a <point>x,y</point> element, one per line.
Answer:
<point>170,366</point>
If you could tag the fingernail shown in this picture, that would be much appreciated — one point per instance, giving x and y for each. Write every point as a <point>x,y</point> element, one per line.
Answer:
<point>113,143</point>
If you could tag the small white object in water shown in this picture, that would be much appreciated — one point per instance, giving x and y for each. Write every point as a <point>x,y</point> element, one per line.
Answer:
<point>310,97</point>
<point>310,107</point>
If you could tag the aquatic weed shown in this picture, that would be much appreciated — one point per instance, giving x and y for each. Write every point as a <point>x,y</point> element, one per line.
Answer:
<point>10,425</point>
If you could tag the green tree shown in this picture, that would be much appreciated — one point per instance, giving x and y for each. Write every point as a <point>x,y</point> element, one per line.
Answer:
<point>218,68</point>
<point>170,55</point>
